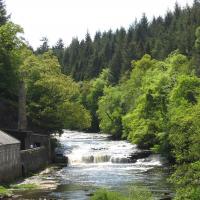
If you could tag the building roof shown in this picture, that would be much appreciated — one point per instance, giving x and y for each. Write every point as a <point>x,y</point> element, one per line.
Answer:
<point>7,139</point>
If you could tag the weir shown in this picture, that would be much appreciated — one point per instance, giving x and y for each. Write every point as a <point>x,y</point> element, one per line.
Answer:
<point>97,148</point>
<point>97,162</point>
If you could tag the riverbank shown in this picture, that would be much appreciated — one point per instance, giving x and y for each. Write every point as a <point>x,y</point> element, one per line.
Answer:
<point>46,184</point>
<point>36,185</point>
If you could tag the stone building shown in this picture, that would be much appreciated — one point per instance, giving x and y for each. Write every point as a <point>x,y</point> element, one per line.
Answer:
<point>29,139</point>
<point>10,162</point>
<point>21,151</point>
<point>34,150</point>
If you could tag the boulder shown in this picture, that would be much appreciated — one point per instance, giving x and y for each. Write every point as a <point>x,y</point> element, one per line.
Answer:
<point>139,155</point>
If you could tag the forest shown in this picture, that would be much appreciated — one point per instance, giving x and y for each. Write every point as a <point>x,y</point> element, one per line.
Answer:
<point>140,84</point>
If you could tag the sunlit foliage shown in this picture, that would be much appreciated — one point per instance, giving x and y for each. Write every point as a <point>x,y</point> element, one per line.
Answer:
<point>52,97</point>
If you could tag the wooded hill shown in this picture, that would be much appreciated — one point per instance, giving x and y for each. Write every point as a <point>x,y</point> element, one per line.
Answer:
<point>85,59</point>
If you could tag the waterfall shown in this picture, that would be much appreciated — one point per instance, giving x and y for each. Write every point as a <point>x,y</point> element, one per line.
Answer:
<point>98,149</point>
<point>96,161</point>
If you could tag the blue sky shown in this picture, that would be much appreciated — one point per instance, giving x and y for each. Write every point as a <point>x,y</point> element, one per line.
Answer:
<point>73,18</point>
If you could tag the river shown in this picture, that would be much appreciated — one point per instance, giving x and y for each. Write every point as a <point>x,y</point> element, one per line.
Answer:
<point>95,161</point>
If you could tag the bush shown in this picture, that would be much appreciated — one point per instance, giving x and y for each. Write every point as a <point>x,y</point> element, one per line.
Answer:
<point>136,193</point>
<point>140,193</point>
<point>104,194</point>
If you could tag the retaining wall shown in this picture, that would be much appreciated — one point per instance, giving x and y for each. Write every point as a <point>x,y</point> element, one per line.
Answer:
<point>33,160</point>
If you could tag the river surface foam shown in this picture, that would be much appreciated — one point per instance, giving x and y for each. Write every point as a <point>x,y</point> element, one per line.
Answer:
<point>96,161</point>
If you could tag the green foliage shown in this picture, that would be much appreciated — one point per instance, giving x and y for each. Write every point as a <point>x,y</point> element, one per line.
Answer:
<point>85,59</point>
<point>136,193</point>
<point>197,42</point>
<point>142,123</point>
<point>75,116</point>
<point>51,96</point>
<point>103,194</point>
<point>184,136</point>
<point>196,57</point>
<point>44,47</point>
<point>159,109</point>
<point>140,193</point>
<point>4,192</point>
<point>3,13</point>
<point>58,51</point>
<point>184,124</point>
<point>91,93</point>
<point>110,111</point>
<point>188,193</point>
<point>10,44</point>
<point>29,186</point>
<point>186,179</point>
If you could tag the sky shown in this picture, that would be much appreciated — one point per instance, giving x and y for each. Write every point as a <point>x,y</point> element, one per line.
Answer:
<point>66,19</point>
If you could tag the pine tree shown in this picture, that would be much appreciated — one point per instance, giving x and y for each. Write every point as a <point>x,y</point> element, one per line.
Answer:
<point>115,66</point>
<point>197,52</point>
<point>58,51</point>
<point>158,38</point>
<point>44,47</point>
<point>3,14</point>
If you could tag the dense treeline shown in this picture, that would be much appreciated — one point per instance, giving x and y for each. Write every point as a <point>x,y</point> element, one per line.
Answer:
<point>85,59</point>
<point>157,107</point>
<point>52,97</point>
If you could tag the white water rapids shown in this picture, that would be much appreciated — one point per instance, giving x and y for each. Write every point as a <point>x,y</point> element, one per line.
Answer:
<point>86,149</point>
<point>96,162</point>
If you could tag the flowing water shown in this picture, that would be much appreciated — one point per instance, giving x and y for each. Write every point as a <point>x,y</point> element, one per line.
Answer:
<point>96,162</point>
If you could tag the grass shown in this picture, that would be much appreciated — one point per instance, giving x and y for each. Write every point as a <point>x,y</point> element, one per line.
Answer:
<point>104,194</point>
<point>136,193</point>
<point>24,186</point>
<point>7,191</point>
<point>140,193</point>
<point>4,192</point>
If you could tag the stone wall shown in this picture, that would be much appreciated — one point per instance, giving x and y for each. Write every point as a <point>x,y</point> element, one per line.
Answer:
<point>33,160</point>
<point>10,163</point>
<point>29,138</point>
<point>37,140</point>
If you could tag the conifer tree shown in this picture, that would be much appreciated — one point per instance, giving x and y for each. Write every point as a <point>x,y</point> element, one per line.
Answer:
<point>44,47</point>
<point>3,14</point>
<point>58,51</point>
